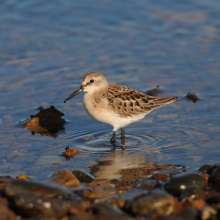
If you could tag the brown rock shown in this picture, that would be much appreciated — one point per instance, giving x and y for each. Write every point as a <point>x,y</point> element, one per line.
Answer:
<point>192,96</point>
<point>23,177</point>
<point>65,177</point>
<point>47,121</point>
<point>33,125</point>
<point>70,152</point>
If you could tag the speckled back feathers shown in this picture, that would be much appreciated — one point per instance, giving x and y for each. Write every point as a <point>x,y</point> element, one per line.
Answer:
<point>128,102</point>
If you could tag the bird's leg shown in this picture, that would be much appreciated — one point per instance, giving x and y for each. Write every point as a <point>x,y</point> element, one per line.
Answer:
<point>122,133</point>
<point>112,140</point>
<point>122,138</point>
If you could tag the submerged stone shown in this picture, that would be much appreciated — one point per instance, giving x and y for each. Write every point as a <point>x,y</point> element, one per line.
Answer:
<point>175,185</point>
<point>164,203</point>
<point>83,177</point>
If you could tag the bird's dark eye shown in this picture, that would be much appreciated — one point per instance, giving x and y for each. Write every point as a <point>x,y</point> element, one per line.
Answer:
<point>92,80</point>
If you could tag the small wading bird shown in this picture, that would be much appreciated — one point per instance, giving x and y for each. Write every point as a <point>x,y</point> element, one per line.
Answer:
<point>116,105</point>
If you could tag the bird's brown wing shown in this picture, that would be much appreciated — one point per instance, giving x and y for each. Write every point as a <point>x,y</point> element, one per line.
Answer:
<point>128,102</point>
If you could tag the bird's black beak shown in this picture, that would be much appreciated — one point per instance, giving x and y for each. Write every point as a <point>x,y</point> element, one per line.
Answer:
<point>79,90</point>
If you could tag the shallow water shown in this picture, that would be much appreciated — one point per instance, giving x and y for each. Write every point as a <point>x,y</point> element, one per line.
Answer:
<point>47,47</point>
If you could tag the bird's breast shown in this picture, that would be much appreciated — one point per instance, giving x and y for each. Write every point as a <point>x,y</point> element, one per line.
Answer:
<point>95,106</point>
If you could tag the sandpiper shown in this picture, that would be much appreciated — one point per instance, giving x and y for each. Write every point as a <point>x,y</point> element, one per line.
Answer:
<point>116,105</point>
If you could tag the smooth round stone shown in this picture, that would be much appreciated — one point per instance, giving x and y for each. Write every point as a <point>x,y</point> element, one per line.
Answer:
<point>83,177</point>
<point>193,192</point>
<point>175,185</point>
<point>164,203</point>
<point>20,187</point>
<point>31,199</point>
<point>47,207</point>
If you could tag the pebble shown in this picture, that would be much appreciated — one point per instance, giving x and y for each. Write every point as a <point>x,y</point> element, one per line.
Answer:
<point>175,185</point>
<point>83,177</point>
<point>65,177</point>
<point>164,203</point>
<point>23,177</point>
<point>70,152</point>
<point>192,96</point>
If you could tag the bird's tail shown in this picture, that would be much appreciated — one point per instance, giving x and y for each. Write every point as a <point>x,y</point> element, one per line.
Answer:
<point>161,101</point>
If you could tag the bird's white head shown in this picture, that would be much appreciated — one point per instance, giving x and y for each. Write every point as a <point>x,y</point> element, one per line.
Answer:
<point>92,81</point>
